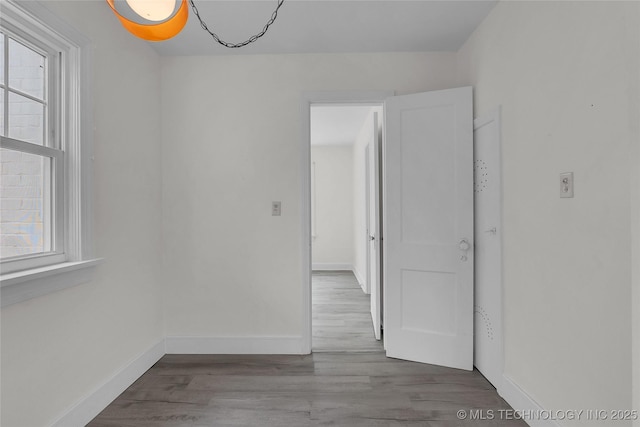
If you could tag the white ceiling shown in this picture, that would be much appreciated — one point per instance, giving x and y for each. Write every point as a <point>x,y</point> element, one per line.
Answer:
<point>337,124</point>
<point>330,26</point>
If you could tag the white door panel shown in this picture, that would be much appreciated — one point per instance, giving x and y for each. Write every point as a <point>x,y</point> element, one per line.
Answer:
<point>488,262</point>
<point>374,220</point>
<point>367,196</point>
<point>428,211</point>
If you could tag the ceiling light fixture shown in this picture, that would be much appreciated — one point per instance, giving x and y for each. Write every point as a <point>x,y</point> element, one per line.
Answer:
<point>163,24</point>
<point>153,32</point>
<point>153,10</point>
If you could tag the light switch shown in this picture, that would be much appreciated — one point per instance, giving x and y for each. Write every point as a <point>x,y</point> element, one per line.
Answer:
<point>276,208</point>
<point>566,184</point>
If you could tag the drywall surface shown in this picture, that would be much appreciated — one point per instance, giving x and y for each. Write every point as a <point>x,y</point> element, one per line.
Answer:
<point>634,105</point>
<point>58,348</point>
<point>564,74</point>
<point>333,175</point>
<point>231,138</point>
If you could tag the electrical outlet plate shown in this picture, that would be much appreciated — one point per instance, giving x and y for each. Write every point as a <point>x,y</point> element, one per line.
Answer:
<point>566,185</point>
<point>276,208</point>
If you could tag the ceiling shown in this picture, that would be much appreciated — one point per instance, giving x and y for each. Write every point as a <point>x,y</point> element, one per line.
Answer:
<point>330,26</point>
<point>334,124</point>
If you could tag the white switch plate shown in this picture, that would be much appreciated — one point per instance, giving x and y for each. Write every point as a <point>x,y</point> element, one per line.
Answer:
<point>566,184</point>
<point>276,208</point>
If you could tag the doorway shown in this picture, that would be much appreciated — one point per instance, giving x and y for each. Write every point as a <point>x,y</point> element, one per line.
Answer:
<point>340,195</point>
<point>428,223</point>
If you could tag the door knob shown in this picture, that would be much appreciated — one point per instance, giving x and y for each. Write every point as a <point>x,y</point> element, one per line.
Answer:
<point>492,230</point>
<point>372,237</point>
<point>464,247</point>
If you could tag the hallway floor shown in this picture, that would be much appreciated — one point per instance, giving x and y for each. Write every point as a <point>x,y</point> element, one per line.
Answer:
<point>341,314</point>
<point>348,381</point>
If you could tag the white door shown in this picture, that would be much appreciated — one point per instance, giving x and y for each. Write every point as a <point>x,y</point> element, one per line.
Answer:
<point>367,212</point>
<point>373,209</point>
<point>428,223</point>
<point>488,259</point>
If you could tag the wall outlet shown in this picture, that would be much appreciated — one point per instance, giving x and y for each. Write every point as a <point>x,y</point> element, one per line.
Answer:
<point>566,184</point>
<point>276,208</point>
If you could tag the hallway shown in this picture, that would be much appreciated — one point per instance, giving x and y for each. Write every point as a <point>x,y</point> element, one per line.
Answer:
<point>341,314</point>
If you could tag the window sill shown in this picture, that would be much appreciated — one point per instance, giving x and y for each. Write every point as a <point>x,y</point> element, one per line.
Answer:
<point>24,285</point>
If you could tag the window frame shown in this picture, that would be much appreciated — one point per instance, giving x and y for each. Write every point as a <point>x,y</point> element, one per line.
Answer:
<point>52,144</point>
<point>73,135</point>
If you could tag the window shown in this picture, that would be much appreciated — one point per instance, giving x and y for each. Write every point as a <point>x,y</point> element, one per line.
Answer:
<point>32,155</point>
<point>45,148</point>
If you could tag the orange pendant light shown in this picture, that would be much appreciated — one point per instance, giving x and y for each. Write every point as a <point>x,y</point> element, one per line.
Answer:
<point>155,32</point>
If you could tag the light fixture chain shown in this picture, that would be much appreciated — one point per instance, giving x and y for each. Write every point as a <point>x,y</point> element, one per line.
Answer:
<point>253,38</point>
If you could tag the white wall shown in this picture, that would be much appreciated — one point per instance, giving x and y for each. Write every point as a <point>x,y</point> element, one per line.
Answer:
<point>566,76</point>
<point>231,137</point>
<point>333,242</point>
<point>634,105</point>
<point>58,348</point>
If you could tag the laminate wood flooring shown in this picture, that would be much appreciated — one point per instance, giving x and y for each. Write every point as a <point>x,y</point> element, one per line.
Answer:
<point>350,389</point>
<point>341,314</point>
<point>348,381</point>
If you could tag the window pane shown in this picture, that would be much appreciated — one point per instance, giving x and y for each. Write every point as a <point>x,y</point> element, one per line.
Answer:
<point>26,70</point>
<point>26,119</point>
<point>25,190</point>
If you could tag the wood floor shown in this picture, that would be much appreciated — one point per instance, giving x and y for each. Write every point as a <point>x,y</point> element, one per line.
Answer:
<point>341,314</point>
<point>353,385</point>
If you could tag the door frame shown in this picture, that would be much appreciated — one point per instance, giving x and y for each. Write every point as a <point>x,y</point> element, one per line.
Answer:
<point>308,99</point>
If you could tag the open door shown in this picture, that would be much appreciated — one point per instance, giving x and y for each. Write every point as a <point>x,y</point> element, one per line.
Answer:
<point>373,187</point>
<point>428,223</point>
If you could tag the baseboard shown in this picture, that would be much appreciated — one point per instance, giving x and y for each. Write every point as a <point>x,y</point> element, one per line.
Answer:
<point>235,345</point>
<point>91,405</point>
<point>522,402</point>
<point>359,278</point>
<point>322,266</point>
<point>341,267</point>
